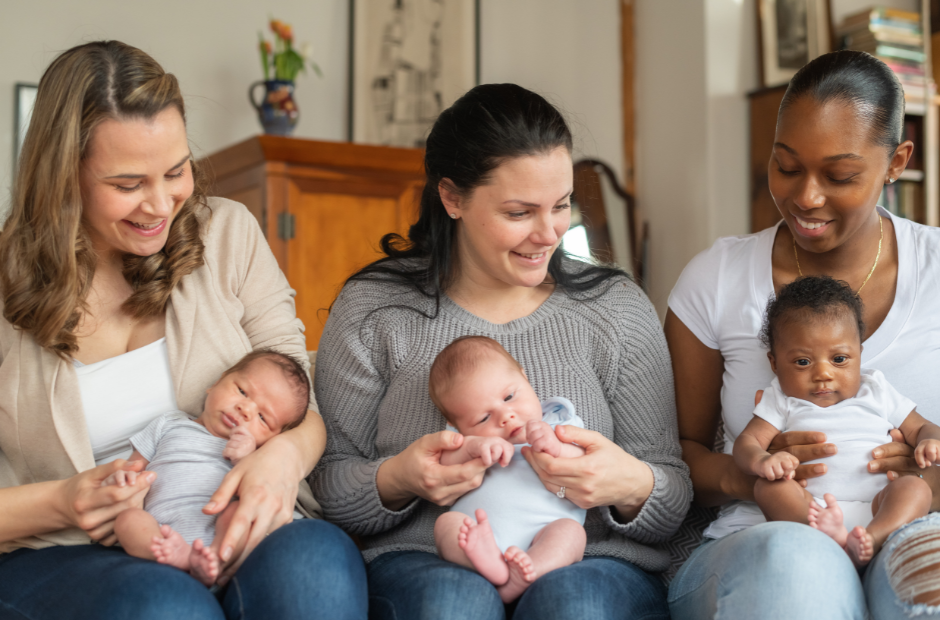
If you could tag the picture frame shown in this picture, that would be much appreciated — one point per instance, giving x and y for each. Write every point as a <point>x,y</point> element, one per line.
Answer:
<point>408,60</point>
<point>790,34</point>
<point>23,99</point>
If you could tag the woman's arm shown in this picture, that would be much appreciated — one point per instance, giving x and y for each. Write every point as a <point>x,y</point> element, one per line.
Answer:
<point>698,375</point>
<point>80,501</point>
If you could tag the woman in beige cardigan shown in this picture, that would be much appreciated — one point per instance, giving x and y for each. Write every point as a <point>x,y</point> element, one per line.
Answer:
<point>126,292</point>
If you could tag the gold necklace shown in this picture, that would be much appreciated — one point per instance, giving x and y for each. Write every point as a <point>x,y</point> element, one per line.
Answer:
<point>881,227</point>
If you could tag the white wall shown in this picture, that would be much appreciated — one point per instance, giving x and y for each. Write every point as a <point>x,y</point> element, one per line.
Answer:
<point>567,50</point>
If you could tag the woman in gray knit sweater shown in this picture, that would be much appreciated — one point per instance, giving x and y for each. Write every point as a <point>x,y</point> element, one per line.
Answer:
<point>483,259</point>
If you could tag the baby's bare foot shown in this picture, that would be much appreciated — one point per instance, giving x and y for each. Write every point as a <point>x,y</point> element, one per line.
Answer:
<point>477,541</point>
<point>170,549</point>
<point>828,520</point>
<point>860,546</point>
<point>203,563</point>
<point>521,574</point>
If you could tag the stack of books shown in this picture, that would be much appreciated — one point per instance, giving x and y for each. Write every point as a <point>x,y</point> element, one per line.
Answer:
<point>894,36</point>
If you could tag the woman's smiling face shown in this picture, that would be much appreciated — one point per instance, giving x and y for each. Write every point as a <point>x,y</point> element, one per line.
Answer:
<point>509,228</point>
<point>134,179</point>
<point>826,172</point>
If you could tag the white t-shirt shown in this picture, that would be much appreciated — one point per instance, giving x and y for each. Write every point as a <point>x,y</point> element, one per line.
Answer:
<point>857,425</point>
<point>122,395</point>
<point>721,296</point>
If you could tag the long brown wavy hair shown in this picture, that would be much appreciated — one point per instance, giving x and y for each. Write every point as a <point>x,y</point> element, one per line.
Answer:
<point>46,258</point>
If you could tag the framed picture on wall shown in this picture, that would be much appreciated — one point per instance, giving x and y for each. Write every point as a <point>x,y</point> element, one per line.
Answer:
<point>409,60</point>
<point>790,34</point>
<point>24,98</point>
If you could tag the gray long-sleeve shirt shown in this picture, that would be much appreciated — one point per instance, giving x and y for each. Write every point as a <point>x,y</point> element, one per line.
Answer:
<point>607,355</point>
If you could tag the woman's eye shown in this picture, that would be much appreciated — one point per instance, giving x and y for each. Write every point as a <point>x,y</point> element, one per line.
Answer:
<point>563,207</point>
<point>177,175</point>
<point>508,398</point>
<point>847,179</point>
<point>127,190</point>
<point>839,359</point>
<point>516,214</point>
<point>788,173</point>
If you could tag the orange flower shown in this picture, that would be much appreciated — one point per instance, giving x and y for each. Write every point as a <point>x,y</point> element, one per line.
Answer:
<point>287,33</point>
<point>266,47</point>
<point>276,26</point>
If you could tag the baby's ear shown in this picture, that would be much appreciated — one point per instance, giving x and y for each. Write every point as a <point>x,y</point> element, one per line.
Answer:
<point>773,363</point>
<point>523,373</point>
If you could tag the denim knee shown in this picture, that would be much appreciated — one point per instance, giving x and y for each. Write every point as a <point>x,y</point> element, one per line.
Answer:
<point>421,586</point>
<point>306,569</point>
<point>146,590</point>
<point>903,581</point>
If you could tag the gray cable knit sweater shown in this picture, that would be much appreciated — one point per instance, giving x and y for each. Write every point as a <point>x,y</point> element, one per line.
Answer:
<point>607,355</point>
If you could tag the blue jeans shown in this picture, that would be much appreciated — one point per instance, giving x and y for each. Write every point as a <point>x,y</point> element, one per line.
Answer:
<point>413,585</point>
<point>307,569</point>
<point>772,570</point>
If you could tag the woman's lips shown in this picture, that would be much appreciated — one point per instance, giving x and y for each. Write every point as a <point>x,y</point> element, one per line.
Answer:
<point>810,228</point>
<point>532,258</point>
<point>146,232</point>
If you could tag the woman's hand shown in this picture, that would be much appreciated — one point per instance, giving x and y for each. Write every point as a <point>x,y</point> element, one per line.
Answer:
<point>805,446</point>
<point>896,459</point>
<point>265,483</point>
<point>417,472</point>
<point>91,505</point>
<point>604,476</point>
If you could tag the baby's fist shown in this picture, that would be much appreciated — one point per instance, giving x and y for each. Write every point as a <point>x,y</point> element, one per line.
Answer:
<point>491,450</point>
<point>779,466</point>
<point>927,453</point>
<point>240,444</point>
<point>542,438</point>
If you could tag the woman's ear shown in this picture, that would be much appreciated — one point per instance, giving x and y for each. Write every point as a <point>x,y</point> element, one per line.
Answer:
<point>899,160</point>
<point>450,197</point>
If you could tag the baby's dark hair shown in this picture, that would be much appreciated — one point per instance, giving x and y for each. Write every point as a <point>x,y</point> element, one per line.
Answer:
<point>819,295</point>
<point>293,371</point>
<point>460,358</point>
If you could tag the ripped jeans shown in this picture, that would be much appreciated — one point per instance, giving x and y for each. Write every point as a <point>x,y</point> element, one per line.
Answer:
<point>788,570</point>
<point>908,567</point>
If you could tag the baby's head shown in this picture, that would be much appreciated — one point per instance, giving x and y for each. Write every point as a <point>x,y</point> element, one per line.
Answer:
<point>814,332</point>
<point>482,390</point>
<point>266,392</point>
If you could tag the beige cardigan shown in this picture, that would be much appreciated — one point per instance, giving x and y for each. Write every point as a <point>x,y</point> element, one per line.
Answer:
<point>239,300</point>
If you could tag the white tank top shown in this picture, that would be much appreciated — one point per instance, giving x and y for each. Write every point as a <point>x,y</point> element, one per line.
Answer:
<point>123,394</point>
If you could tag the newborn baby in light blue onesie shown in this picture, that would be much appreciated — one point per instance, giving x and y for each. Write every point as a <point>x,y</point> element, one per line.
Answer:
<point>521,530</point>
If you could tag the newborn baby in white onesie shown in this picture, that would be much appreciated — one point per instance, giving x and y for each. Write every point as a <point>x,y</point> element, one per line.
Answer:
<point>262,395</point>
<point>522,530</point>
<point>814,331</point>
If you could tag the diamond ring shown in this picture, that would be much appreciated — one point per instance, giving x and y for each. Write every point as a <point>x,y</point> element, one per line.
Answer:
<point>561,493</point>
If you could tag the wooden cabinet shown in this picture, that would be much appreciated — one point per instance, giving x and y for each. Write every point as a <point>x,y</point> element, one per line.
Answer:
<point>324,206</point>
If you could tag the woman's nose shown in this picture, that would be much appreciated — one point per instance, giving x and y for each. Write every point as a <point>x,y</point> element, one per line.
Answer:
<point>544,231</point>
<point>810,194</point>
<point>157,202</point>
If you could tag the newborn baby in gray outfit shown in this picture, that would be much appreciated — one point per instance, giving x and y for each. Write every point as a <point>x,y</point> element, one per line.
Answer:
<point>262,395</point>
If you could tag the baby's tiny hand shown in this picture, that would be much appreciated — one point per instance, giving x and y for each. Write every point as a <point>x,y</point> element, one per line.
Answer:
<point>779,466</point>
<point>542,438</point>
<point>120,478</point>
<point>240,444</point>
<point>927,453</point>
<point>490,449</point>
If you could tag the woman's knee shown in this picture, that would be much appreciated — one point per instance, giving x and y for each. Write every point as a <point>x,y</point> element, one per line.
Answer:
<point>418,585</point>
<point>147,590</point>
<point>317,548</point>
<point>779,549</point>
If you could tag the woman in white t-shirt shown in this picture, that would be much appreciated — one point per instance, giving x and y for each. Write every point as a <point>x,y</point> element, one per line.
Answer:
<point>837,143</point>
